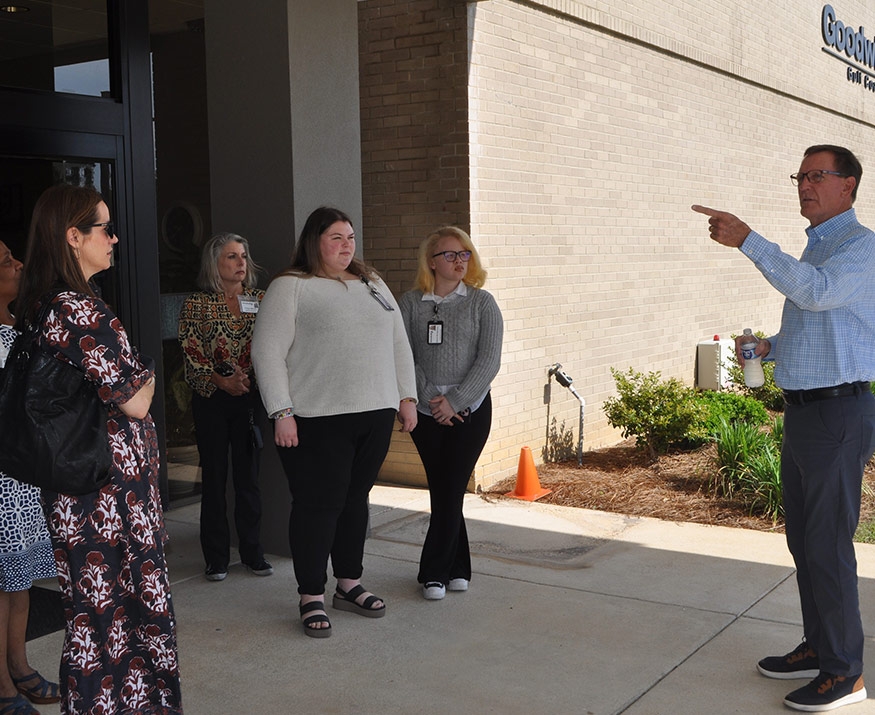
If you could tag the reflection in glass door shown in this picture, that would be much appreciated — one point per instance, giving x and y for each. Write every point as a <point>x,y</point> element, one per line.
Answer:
<point>55,46</point>
<point>182,183</point>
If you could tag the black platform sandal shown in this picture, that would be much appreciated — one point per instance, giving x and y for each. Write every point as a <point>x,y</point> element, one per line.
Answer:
<point>310,621</point>
<point>346,601</point>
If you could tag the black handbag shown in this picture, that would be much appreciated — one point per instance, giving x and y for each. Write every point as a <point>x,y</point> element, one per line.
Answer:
<point>52,422</point>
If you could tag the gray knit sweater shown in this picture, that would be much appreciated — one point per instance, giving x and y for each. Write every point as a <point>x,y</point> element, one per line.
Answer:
<point>325,347</point>
<point>470,354</point>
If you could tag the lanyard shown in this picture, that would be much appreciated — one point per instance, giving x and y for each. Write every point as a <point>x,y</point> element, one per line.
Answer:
<point>435,328</point>
<point>377,297</point>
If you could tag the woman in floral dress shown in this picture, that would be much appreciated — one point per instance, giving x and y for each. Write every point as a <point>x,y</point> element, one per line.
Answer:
<point>119,652</point>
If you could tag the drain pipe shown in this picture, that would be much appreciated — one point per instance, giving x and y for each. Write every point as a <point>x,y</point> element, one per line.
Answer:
<point>564,379</point>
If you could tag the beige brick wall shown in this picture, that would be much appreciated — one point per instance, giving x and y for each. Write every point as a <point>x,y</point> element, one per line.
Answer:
<point>591,130</point>
<point>414,117</point>
<point>414,113</point>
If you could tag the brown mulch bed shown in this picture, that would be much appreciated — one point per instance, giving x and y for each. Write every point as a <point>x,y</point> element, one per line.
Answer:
<point>621,479</point>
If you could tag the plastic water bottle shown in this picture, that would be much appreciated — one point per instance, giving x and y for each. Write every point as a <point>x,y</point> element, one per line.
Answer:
<point>753,365</point>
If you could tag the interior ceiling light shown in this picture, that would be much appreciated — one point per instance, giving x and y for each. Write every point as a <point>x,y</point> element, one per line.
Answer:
<point>14,8</point>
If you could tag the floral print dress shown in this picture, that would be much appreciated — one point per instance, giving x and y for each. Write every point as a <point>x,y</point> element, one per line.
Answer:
<point>120,653</point>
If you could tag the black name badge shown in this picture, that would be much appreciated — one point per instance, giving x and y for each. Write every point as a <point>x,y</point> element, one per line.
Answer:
<point>435,332</point>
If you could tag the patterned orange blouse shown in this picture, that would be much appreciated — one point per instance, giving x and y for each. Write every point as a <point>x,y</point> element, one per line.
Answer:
<point>211,334</point>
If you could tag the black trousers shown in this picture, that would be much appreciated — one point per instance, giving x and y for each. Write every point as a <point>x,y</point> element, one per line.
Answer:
<point>222,426</point>
<point>826,446</point>
<point>449,455</point>
<point>330,474</point>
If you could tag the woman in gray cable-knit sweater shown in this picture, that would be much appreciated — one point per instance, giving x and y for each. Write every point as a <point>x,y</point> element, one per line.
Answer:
<point>455,330</point>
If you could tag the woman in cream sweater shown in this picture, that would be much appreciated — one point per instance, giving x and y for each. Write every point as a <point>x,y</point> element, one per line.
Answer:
<point>335,369</point>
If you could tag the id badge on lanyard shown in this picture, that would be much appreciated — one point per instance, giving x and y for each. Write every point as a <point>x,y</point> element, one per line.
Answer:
<point>435,332</point>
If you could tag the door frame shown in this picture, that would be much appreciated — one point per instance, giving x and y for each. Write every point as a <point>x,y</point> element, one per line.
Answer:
<point>50,125</point>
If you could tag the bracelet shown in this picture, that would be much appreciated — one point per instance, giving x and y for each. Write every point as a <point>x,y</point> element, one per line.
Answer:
<point>408,399</point>
<point>282,414</point>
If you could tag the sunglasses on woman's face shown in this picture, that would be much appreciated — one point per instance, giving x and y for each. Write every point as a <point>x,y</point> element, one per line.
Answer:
<point>108,225</point>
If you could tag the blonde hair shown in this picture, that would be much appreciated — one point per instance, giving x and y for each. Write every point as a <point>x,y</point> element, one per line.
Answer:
<point>474,277</point>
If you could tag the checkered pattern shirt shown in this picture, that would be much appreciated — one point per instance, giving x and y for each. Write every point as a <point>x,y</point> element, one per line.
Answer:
<point>827,334</point>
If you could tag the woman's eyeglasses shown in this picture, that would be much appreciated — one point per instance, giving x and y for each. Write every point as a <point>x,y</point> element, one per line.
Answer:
<point>450,256</point>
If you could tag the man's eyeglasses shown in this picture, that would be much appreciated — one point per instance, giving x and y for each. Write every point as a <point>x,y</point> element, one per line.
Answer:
<point>815,176</point>
<point>108,225</point>
<point>450,256</point>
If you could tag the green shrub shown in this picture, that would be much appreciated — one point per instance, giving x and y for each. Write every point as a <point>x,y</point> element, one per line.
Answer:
<point>736,442</point>
<point>762,488</point>
<point>770,395</point>
<point>731,407</point>
<point>658,413</point>
<point>749,465</point>
<point>865,532</point>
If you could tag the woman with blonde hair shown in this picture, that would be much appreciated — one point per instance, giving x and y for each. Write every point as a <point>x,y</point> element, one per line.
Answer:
<point>215,332</point>
<point>455,330</point>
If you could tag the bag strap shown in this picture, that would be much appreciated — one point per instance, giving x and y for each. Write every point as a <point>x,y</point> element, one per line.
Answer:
<point>29,337</point>
<point>32,328</point>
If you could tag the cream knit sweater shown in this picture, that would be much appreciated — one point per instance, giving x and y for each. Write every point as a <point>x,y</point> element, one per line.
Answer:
<point>325,347</point>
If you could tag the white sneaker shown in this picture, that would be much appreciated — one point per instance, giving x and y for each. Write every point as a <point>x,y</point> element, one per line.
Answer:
<point>457,584</point>
<point>433,591</point>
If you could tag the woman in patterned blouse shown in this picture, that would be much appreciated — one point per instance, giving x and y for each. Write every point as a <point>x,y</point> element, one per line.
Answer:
<point>215,330</point>
<point>119,653</point>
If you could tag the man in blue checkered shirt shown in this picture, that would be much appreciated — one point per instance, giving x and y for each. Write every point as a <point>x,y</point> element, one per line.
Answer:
<point>824,359</point>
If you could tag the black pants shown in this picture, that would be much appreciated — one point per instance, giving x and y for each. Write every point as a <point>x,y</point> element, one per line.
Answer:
<point>826,446</point>
<point>222,424</point>
<point>330,474</point>
<point>449,455</point>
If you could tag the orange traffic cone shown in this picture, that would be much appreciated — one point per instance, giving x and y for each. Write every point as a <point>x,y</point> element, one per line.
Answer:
<point>528,486</point>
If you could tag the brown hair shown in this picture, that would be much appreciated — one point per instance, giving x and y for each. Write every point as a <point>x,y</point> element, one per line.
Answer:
<point>50,263</point>
<point>307,259</point>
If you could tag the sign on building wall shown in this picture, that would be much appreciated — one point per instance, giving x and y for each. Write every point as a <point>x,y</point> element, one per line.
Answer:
<point>850,46</point>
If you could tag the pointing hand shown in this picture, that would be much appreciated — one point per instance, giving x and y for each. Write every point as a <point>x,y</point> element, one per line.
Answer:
<point>726,229</point>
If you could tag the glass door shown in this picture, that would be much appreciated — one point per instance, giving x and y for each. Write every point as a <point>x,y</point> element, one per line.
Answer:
<point>177,44</point>
<point>76,106</point>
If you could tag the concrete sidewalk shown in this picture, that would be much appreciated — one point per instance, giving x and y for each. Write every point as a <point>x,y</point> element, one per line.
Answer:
<point>569,611</point>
